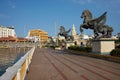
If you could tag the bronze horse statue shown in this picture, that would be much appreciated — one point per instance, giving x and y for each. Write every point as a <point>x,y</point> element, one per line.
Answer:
<point>97,24</point>
<point>65,34</point>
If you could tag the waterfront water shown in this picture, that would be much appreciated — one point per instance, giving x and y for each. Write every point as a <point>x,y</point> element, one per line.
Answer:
<point>9,56</point>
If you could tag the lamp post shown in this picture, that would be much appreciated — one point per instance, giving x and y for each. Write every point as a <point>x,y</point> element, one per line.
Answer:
<point>57,33</point>
<point>24,39</point>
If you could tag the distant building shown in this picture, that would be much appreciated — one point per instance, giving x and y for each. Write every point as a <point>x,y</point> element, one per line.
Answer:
<point>8,39</point>
<point>21,39</point>
<point>118,35</point>
<point>43,35</point>
<point>80,39</point>
<point>7,31</point>
<point>85,37</point>
<point>73,32</point>
<point>33,39</point>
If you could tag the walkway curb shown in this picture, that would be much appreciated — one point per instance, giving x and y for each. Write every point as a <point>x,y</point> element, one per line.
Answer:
<point>104,57</point>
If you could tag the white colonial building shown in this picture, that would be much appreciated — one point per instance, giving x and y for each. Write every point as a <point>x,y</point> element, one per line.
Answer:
<point>7,31</point>
<point>80,39</point>
<point>73,33</point>
<point>33,39</point>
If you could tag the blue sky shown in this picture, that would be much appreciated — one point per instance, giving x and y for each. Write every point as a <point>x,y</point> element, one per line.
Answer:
<point>43,14</point>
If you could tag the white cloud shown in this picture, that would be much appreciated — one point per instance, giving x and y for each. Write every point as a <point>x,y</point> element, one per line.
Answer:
<point>3,16</point>
<point>82,2</point>
<point>89,1</point>
<point>11,4</point>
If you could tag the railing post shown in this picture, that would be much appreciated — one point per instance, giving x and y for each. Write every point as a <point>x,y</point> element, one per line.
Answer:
<point>18,74</point>
<point>27,64</point>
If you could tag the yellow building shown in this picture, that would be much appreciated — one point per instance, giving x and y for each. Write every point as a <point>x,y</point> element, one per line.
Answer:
<point>42,34</point>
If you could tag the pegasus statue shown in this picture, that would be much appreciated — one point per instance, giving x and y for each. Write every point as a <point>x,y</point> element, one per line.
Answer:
<point>65,34</point>
<point>97,25</point>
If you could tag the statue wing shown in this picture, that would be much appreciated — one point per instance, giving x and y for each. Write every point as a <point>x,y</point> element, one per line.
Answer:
<point>68,31</point>
<point>101,19</point>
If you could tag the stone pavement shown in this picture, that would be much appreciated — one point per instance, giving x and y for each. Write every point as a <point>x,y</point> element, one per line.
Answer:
<point>48,64</point>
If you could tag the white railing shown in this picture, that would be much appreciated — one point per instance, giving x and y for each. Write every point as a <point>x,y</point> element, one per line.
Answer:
<point>19,69</point>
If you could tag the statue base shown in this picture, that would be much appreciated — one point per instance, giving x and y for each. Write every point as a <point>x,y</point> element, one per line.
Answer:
<point>103,46</point>
<point>69,43</point>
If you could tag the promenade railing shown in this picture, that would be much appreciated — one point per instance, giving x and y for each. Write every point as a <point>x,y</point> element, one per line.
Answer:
<point>20,68</point>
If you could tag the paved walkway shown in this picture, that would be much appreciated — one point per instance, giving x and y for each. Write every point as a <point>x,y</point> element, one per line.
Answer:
<point>50,64</point>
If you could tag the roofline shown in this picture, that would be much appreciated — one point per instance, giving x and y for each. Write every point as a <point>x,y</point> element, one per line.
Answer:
<point>6,27</point>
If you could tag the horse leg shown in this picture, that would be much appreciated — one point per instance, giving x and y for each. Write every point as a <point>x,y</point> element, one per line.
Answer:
<point>103,34</point>
<point>81,30</point>
<point>106,33</point>
<point>96,35</point>
<point>109,34</point>
<point>95,31</point>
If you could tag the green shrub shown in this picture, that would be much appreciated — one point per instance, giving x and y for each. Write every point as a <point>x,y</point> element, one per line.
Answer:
<point>82,49</point>
<point>53,47</point>
<point>88,49</point>
<point>115,52</point>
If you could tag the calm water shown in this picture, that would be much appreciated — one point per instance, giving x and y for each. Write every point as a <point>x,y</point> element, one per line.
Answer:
<point>10,56</point>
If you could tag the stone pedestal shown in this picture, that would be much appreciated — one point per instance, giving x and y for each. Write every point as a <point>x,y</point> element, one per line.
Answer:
<point>103,46</point>
<point>69,44</point>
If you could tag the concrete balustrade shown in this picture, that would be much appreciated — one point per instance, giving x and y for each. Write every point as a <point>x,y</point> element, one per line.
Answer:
<point>19,69</point>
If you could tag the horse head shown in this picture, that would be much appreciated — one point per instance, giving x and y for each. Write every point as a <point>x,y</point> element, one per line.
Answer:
<point>86,14</point>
